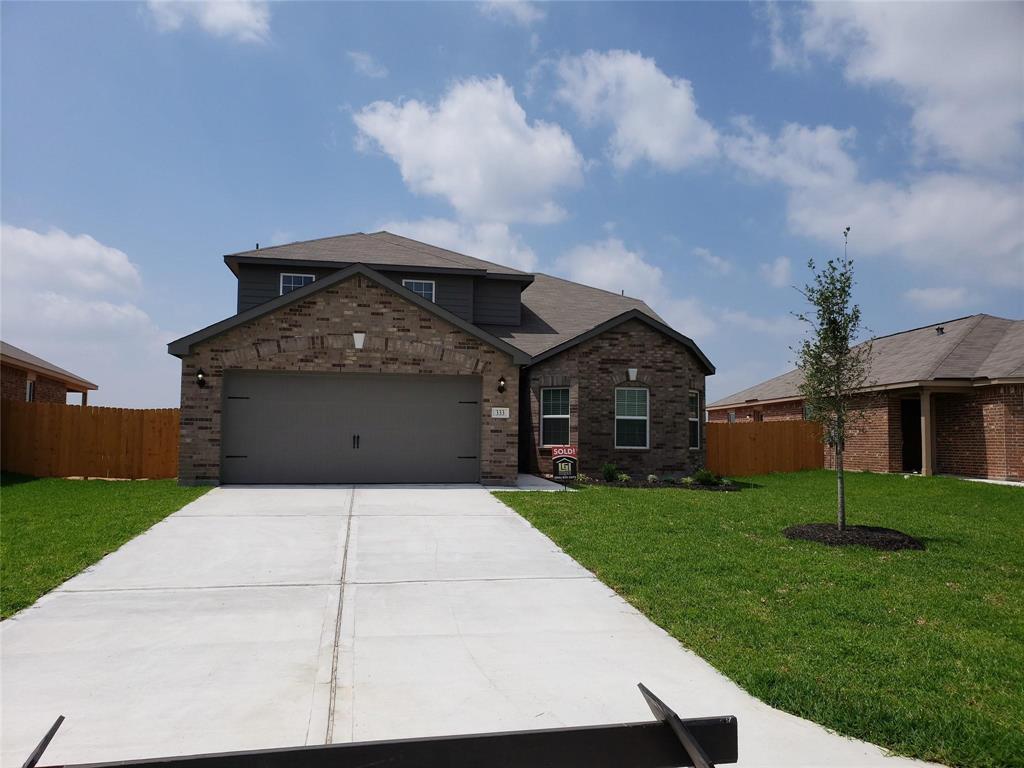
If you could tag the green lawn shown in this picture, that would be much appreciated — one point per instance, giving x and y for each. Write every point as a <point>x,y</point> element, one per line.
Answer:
<point>50,529</point>
<point>920,652</point>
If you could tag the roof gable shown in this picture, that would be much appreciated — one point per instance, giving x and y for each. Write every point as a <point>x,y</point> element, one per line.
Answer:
<point>184,345</point>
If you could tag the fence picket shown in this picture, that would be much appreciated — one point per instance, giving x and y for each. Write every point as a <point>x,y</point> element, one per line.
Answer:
<point>51,439</point>
<point>757,448</point>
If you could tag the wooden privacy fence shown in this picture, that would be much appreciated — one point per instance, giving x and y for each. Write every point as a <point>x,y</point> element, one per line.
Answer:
<point>56,440</point>
<point>760,447</point>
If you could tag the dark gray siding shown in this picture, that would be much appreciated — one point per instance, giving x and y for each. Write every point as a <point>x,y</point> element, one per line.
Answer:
<point>453,292</point>
<point>258,283</point>
<point>497,302</point>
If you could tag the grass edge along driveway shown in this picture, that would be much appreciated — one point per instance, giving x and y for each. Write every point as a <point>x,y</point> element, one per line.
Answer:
<point>919,652</point>
<point>51,528</point>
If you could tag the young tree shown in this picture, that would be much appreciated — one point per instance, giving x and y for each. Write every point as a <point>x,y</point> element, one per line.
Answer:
<point>833,367</point>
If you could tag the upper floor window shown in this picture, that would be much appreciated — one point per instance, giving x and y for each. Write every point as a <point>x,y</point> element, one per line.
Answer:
<point>554,416</point>
<point>632,426</point>
<point>424,288</point>
<point>290,281</point>
<point>694,403</point>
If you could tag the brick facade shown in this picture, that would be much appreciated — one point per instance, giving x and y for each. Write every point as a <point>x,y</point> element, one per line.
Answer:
<point>978,433</point>
<point>315,334</point>
<point>981,433</point>
<point>592,370</point>
<point>47,390</point>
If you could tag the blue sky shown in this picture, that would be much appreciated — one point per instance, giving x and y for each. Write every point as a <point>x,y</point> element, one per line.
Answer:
<point>695,155</point>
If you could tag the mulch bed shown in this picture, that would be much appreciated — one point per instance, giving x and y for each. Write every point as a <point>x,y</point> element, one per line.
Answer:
<point>885,539</point>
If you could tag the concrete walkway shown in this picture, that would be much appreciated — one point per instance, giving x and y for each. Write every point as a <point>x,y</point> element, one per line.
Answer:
<point>220,629</point>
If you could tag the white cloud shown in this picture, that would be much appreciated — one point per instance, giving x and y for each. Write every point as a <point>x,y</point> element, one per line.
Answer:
<point>518,12</point>
<point>785,326</point>
<point>713,262</point>
<point>477,150</point>
<point>610,265</point>
<point>936,299</point>
<point>958,65</point>
<point>72,300</point>
<point>654,116</point>
<point>246,21</point>
<point>777,272</point>
<point>944,222</point>
<point>365,64</point>
<point>784,54</point>
<point>488,241</point>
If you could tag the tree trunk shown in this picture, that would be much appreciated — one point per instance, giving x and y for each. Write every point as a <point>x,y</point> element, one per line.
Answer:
<point>840,489</point>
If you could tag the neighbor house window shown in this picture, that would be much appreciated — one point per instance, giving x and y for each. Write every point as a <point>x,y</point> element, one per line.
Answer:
<point>424,288</point>
<point>732,417</point>
<point>632,427</point>
<point>289,281</point>
<point>694,419</point>
<point>30,391</point>
<point>808,415</point>
<point>554,416</point>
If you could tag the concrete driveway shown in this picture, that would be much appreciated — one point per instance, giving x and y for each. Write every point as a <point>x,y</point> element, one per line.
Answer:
<point>220,629</point>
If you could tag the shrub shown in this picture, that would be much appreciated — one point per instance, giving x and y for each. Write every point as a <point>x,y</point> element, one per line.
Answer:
<point>652,479</point>
<point>623,477</point>
<point>583,478</point>
<point>686,481</point>
<point>610,473</point>
<point>705,476</point>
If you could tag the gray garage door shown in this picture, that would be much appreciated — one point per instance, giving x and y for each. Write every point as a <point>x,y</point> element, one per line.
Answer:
<point>350,428</point>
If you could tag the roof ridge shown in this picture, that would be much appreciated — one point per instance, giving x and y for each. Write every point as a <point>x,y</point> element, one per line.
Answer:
<point>931,325</point>
<point>298,242</point>
<point>977,321</point>
<point>446,250</point>
<point>593,288</point>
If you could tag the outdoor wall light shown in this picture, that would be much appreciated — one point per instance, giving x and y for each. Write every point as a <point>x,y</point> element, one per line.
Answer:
<point>632,373</point>
<point>358,338</point>
<point>501,384</point>
<point>201,378</point>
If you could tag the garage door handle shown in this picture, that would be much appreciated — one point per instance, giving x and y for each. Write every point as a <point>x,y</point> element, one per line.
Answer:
<point>355,442</point>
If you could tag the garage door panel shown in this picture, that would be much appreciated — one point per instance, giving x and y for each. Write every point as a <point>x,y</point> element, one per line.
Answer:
<point>350,428</point>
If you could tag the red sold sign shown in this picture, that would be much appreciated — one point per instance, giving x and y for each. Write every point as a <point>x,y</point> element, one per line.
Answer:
<point>563,450</point>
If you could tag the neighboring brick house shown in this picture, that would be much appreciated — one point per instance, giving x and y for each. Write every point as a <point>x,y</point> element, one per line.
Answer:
<point>375,358</point>
<point>945,399</point>
<point>26,377</point>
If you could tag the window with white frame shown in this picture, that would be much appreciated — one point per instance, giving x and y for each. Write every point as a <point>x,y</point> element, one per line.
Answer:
<point>694,403</point>
<point>30,391</point>
<point>554,416</point>
<point>632,426</point>
<point>290,281</point>
<point>424,288</point>
<point>732,417</point>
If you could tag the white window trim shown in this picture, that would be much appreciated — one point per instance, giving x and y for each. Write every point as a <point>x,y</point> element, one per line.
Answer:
<point>433,287</point>
<point>30,390</point>
<point>695,417</point>
<point>280,282</point>
<point>647,440</point>
<point>559,416</point>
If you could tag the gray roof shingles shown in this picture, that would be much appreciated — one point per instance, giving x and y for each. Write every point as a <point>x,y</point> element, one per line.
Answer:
<point>974,347</point>
<point>377,248</point>
<point>16,355</point>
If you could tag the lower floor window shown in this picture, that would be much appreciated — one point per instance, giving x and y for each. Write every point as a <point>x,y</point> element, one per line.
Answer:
<point>554,416</point>
<point>695,419</point>
<point>631,418</point>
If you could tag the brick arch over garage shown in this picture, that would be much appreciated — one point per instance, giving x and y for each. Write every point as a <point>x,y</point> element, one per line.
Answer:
<point>314,334</point>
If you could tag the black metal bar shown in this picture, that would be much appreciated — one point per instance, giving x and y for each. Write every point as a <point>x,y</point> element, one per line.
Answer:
<point>697,754</point>
<point>42,745</point>
<point>626,745</point>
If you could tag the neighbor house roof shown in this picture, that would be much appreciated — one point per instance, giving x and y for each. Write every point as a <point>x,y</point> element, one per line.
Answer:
<point>183,346</point>
<point>970,349</point>
<point>378,249</point>
<point>557,314</point>
<point>19,358</point>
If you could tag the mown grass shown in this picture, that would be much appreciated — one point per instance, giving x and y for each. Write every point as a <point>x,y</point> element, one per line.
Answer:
<point>919,652</point>
<point>50,529</point>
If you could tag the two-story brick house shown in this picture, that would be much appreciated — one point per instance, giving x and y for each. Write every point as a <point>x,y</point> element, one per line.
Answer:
<point>375,358</point>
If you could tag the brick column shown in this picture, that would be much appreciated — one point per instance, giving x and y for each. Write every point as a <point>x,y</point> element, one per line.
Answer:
<point>927,434</point>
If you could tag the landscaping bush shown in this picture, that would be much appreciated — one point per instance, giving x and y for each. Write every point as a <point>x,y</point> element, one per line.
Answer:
<point>653,479</point>
<point>705,476</point>
<point>583,478</point>
<point>623,477</point>
<point>610,473</point>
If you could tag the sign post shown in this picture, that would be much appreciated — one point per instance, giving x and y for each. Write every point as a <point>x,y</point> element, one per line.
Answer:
<point>565,464</point>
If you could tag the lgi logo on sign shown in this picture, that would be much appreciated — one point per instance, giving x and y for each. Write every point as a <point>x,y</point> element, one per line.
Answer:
<point>564,463</point>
